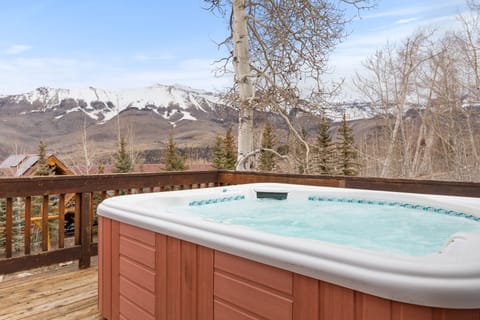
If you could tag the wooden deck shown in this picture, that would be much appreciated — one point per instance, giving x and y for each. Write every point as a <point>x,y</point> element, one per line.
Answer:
<point>61,293</point>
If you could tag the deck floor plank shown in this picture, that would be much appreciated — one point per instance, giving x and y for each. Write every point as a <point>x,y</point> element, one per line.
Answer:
<point>57,294</point>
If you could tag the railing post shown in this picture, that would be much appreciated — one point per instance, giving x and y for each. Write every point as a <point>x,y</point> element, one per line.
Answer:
<point>85,230</point>
<point>9,228</point>
<point>28,223</point>
<point>45,232</point>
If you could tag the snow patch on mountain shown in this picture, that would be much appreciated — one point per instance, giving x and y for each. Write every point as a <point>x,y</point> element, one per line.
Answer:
<point>102,105</point>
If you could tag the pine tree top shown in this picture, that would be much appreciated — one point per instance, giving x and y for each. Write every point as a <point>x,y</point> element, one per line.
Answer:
<point>123,161</point>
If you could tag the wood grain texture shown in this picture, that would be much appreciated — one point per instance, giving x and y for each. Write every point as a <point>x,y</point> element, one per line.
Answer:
<point>257,300</point>
<point>137,252</point>
<point>189,280</point>
<point>137,295</point>
<point>174,279</point>
<point>56,294</point>
<point>225,311</point>
<point>115,271</point>
<point>144,236</point>
<point>161,276</point>
<point>266,275</point>
<point>131,270</point>
<point>305,298</point>
<point>370,307</point>
<point>336,303</point>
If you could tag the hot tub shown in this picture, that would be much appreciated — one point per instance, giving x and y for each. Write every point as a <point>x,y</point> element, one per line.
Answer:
<point>158,259</point>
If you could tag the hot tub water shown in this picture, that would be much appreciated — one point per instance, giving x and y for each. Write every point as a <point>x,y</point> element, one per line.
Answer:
<point>387,228</point>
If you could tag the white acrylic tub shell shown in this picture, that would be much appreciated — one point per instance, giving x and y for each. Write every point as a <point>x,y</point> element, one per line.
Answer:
<point>449,278</point>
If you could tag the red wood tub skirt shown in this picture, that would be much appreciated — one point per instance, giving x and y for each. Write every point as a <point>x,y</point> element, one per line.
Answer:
<point>145,275</point>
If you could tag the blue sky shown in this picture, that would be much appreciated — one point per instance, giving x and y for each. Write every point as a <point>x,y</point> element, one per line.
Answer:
<point>136,43</point>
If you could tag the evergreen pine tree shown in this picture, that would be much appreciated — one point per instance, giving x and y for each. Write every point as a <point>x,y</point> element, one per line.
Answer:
<point>267,159</point>
<point>123,162</point>
<point>230,153</point>
<point>172,160</point>
<point>346,153</point>
<point>324,153</point>
<point>43,168</point>
<point>218,153</point>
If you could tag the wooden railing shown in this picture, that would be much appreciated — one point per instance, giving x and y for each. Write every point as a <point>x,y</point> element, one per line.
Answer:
<point>39,206</point>
<point>45,201</point>
<point>466,189</point>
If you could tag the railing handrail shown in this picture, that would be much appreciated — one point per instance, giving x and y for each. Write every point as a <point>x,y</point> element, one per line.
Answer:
<point>440,187</point>
<point>40,185</point>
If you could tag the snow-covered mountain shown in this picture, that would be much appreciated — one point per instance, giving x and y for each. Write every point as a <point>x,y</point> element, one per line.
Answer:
<point>173,103</point>
<point>64,118</point>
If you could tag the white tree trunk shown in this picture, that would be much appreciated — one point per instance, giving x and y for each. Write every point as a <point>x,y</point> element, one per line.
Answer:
<point>241,61</point>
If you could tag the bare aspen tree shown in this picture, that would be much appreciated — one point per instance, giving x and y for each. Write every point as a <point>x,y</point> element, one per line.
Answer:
<point>468,40</point>
<point>389,83</point>
<point>132,148</point>
<point>243,78</point>
<point>86,154</point>
<point>279,51</point>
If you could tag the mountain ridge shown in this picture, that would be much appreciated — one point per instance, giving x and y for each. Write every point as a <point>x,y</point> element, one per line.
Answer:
<point>66,118</point>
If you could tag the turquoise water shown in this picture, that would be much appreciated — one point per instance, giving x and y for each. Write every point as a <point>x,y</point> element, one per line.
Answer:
<point>390,229</point>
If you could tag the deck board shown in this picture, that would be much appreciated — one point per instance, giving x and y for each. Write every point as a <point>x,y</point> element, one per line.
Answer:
<point>55,294</point>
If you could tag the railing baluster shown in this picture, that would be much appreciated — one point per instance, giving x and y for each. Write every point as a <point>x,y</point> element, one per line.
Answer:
<point>61,220</point>
<point>78,201</point>
<point>9,228</point>
<point>45,237</point>
<point>91,209</point>
<point>86,231</point>
<point>28,224</point>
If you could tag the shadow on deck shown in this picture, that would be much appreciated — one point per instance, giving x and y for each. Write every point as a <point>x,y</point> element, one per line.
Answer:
<point>50,293</point>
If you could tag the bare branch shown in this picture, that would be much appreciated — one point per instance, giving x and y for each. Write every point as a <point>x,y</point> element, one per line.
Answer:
<point>241,162</point>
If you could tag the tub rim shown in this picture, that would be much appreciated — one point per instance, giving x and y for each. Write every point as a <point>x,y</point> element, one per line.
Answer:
<point>448,279</point>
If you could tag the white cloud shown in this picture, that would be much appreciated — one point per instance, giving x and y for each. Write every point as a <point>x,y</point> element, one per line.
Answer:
<point>17,49</point>
<point>417,9</point>
<point>348,57</point>
<point>405,21</point>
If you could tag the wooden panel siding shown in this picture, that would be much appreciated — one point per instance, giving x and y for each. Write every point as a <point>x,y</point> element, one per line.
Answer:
<point>265,275</point>
<point>199,283</point>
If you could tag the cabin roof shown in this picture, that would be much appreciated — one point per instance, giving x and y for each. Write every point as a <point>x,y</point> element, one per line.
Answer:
<point>25,165</point>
